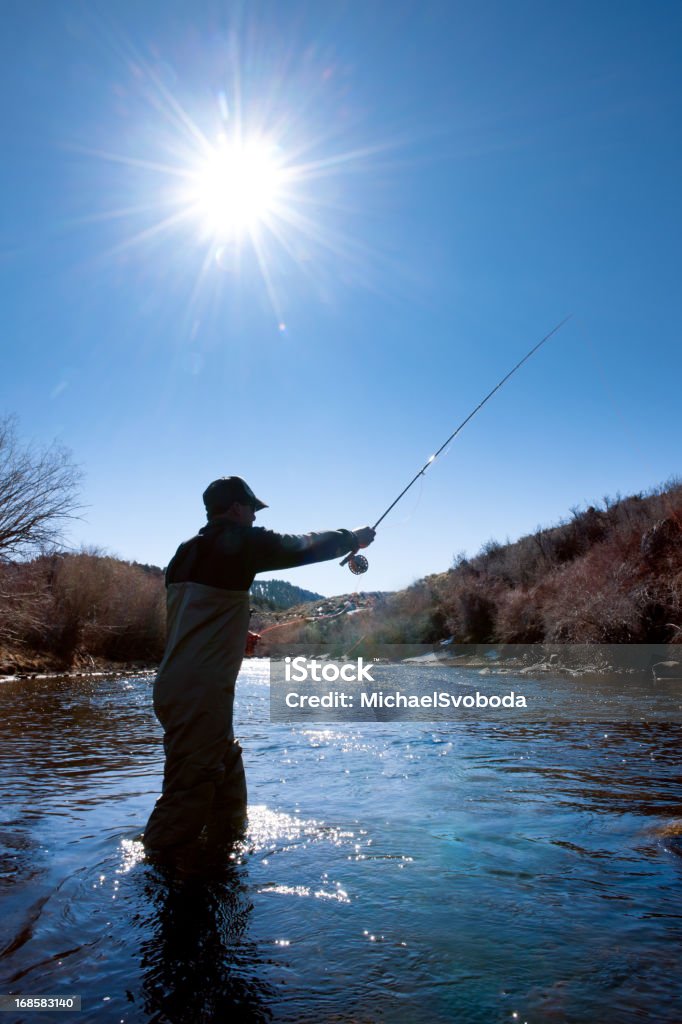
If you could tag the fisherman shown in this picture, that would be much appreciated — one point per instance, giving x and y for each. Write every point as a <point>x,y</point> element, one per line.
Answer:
<point>207,583</point>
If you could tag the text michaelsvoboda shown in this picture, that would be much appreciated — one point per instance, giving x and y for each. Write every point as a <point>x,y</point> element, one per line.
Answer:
<point>441,699</point>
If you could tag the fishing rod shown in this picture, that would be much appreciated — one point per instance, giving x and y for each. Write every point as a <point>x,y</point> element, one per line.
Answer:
<point>358,564</point>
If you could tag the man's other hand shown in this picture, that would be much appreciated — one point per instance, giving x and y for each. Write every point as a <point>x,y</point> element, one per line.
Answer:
<point>251,644</point>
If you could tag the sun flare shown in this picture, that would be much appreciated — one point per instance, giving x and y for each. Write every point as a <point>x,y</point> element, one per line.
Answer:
<point>237,186</point>
<point>254,190</point>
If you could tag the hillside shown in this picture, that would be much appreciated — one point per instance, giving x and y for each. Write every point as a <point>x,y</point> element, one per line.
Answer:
<point>302,623</point>
<point>605,575</point>
<point>278,594</point>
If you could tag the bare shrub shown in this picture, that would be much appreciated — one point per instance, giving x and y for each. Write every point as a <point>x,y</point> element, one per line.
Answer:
<point>469,609</point>
<point>92,604</point>
<point>662,543</point>
<point>38,492</point>
<point>592,600</point>
<point>24,600</point>
<point>519,618</point>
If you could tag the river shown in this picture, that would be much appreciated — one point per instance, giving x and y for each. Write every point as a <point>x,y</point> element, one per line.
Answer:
<point>392,871</point>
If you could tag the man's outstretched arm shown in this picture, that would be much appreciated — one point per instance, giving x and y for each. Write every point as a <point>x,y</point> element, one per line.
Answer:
<point>286,550</point>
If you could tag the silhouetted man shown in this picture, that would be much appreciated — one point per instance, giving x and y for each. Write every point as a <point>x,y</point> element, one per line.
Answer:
<point>207,583</point>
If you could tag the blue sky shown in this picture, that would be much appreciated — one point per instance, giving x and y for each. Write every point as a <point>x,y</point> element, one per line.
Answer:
<point>458,178</point>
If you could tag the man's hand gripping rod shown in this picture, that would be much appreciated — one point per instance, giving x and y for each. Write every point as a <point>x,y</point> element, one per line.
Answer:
<point>358,564</point>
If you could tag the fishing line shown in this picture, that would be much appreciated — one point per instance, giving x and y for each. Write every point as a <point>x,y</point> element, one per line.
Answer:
<point>358,564</point>
<point>281,625</point>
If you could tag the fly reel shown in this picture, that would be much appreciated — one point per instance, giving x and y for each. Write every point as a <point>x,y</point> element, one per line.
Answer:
<point>358,564</point>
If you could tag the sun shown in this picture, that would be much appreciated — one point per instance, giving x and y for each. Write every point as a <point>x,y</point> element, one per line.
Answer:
<point>236,187</point>
<point>252,188</point>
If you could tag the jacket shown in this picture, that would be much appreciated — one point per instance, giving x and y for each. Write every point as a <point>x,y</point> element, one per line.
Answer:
<point>207,583</point>
<point>228,556</point>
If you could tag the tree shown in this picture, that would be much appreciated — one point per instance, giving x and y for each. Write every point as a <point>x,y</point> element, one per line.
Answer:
<point>39,489</point>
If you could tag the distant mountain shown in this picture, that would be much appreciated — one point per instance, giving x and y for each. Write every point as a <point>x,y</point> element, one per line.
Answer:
<point>278,594</point>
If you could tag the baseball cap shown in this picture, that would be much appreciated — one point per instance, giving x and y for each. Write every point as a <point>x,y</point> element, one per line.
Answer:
<point>220,494</point>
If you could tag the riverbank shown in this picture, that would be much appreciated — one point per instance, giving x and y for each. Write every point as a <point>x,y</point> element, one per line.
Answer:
<point>661,661</point>
<point>16,663</point>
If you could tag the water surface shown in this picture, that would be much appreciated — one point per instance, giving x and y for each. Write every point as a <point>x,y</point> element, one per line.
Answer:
<point>392,871</point>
